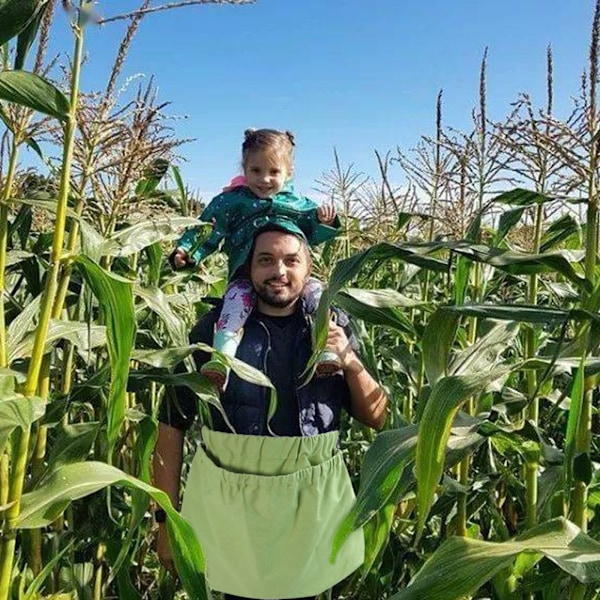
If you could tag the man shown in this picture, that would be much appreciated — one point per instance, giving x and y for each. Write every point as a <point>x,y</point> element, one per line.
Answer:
<point>277,340</point>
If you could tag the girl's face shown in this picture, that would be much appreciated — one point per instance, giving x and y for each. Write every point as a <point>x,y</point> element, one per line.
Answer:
<point>266,173</point>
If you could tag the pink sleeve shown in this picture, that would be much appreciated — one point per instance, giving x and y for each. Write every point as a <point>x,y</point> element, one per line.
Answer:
<point>237,181</point>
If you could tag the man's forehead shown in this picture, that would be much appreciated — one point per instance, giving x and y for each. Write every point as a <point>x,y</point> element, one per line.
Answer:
<point>277,243</point>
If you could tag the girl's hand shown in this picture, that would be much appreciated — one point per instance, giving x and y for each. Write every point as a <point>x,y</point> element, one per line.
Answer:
<point>326,214</point>
<point>181,259</point>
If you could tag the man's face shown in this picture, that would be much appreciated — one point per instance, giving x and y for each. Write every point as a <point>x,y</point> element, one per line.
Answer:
<point>279,269</point>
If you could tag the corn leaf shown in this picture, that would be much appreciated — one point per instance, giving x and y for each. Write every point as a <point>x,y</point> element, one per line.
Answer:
<point>460,566</point>
<point>155,299</point>
<point>70,482</point>
<point>80,334</point>
<point>14,257</point>
<point>416,254</point>
<point>444,402</point>
<point>523,197</point>
<point>523,312</point>
<point>16,410</point>
<point>461,280</point>
<point>381,298</point>
<point>72,444</point>
<point>183,197</point>
<point>347,269</point>
<point>151,177</point>
<point>22,324</point>
<point>15,15</point>
<point>155,256</point>
<point>144,445</point>
<point>575,414</point>
<point>31,90</point>
<point>134,238</point>
<point>560,230</point>
<point>485,351</point>
<point>446,397</point>
<point>376,307</point>
<point>438,338</point>
<point>507,221</point>
<point>384,473</point>
<point>115,297</point>
<point>169,358</point>
<point>376,532</point>
<point>29,33</point>
<point>32,592</point>
<point>521,263</point>
<point>381,471</point>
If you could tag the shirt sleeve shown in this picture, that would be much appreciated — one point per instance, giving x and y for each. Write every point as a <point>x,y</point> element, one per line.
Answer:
<point>179,406</point>
<point>215,213</point>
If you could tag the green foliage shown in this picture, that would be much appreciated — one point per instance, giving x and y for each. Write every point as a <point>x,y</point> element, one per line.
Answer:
<point>72,481</point>
<point>477,561</point>
<point>16,16</point>
<point>478,315</point>
<point>115,296</point>
<point>16,411</point>
<point>31,90</point>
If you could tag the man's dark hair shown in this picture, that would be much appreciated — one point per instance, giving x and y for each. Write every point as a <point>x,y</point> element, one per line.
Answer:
<point>274,227</point>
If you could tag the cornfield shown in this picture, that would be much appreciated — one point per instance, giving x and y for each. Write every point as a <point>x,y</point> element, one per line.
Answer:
<point>474,290</point>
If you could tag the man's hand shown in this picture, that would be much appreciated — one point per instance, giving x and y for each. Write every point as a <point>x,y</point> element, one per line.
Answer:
<point>367,398</point>
<point>326,214</point>
<point>337,341</point>
<point>163,549</point>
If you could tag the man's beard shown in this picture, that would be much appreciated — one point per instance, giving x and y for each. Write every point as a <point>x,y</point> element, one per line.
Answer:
<point>273,299</point>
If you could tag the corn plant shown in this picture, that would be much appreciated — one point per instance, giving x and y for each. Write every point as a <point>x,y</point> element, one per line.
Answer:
<point>75,333</point>
<point>474,298</point>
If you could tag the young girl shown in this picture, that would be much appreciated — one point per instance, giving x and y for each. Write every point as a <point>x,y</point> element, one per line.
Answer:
<point>263,195</point>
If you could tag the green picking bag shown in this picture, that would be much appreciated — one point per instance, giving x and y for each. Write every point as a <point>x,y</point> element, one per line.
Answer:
<point>265,510</point>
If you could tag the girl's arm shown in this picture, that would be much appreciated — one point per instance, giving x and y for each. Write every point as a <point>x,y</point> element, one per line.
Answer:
<point>318,232</point>
<point>197,248</point>
<point>305,213</point>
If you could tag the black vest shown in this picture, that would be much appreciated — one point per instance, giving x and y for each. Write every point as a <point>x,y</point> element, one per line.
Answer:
<point>319,401</point>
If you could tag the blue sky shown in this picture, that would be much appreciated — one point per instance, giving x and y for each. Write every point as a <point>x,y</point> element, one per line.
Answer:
<point>354,74</point>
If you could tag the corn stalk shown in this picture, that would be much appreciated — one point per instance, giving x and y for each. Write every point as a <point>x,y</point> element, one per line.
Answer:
<point>19,466</point>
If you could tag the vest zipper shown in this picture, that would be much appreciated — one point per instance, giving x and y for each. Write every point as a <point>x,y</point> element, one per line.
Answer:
<point>306,322</point>
<point>268,390</point>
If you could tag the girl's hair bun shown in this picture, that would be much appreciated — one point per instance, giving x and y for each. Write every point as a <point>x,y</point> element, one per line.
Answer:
<point>249,133</point>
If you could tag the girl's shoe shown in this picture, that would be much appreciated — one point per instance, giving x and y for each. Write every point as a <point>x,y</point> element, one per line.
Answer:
<point>327,364</point>
<point>217,372</point>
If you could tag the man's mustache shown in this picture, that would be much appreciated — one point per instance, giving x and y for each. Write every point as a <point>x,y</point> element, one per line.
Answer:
<point>274,279</point>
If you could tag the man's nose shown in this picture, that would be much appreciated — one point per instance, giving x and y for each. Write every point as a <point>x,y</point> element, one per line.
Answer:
<point>280,268</point>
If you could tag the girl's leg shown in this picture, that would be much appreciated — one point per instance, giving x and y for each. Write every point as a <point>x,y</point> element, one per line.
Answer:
<point>312,292</point>
<point>238,302</point>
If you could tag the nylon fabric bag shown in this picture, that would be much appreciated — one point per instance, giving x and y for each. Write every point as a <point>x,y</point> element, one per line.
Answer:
<point>265,511</point>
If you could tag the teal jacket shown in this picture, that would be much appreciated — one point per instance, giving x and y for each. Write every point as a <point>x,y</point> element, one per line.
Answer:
<point>238,214</point>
